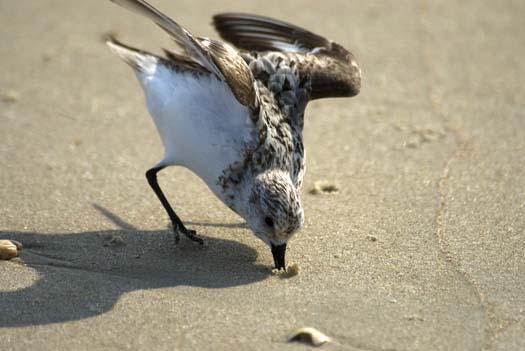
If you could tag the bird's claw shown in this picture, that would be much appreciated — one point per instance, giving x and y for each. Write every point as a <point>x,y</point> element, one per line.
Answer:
<point>189,233</point>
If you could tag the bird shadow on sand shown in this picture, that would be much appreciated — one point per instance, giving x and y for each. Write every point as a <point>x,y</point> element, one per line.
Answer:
<point>81,275</point>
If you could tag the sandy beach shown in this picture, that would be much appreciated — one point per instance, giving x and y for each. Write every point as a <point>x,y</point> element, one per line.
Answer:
<point>421,248</point>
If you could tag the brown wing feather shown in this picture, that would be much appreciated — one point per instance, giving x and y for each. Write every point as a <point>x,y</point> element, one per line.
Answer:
<point>259,33</point>
<point>236,72</point>
<point>220,59</point>
<point>332,69</point>
<point>183,61</point>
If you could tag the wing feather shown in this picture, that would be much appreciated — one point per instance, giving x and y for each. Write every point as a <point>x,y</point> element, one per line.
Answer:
<point>333,70</point>
<point>218,58</point>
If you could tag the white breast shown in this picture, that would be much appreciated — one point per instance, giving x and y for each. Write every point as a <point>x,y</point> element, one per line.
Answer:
<point>202,125</point>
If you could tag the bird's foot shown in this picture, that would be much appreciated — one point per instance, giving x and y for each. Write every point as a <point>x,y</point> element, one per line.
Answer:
<point>190,234</point>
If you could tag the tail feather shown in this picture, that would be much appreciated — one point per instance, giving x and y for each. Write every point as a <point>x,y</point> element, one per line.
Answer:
<point>141,61</point>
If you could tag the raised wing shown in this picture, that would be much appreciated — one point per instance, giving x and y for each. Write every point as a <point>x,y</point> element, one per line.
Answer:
<point>218,58</point>
<point>252,32</point>
<point>333,70</point>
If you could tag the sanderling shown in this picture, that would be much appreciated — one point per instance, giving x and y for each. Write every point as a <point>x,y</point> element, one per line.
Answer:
<point>235,116</point>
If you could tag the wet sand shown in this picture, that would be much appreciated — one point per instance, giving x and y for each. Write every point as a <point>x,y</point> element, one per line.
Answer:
<point>422,247</point>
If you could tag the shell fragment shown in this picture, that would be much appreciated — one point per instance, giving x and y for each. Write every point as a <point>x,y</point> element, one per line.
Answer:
<point>9,249</point>
<point>309,335</point>
<point>324,187</point>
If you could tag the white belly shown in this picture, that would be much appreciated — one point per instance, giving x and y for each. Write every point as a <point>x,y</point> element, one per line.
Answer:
<point>202,126</point>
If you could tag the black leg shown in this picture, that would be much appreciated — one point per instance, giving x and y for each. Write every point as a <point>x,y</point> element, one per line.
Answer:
<point>178,226</point>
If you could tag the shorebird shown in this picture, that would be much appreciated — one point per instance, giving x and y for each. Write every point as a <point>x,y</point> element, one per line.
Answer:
<point>234,114</point>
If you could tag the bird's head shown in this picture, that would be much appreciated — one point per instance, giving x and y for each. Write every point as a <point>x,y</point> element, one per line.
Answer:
<point>273,211</point>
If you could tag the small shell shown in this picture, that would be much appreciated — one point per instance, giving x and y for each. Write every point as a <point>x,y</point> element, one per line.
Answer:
<point>10,96</point>
<point>324,187</point>
<point>9,249</point>
<point>309,335</point>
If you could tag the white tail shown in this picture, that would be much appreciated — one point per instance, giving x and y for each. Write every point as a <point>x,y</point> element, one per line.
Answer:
<point>141,61</point>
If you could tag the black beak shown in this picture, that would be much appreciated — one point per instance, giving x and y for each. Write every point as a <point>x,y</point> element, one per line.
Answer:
<point>278,253</point>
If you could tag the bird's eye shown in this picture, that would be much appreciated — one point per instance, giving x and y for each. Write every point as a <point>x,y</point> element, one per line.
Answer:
<point>268,221</point>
